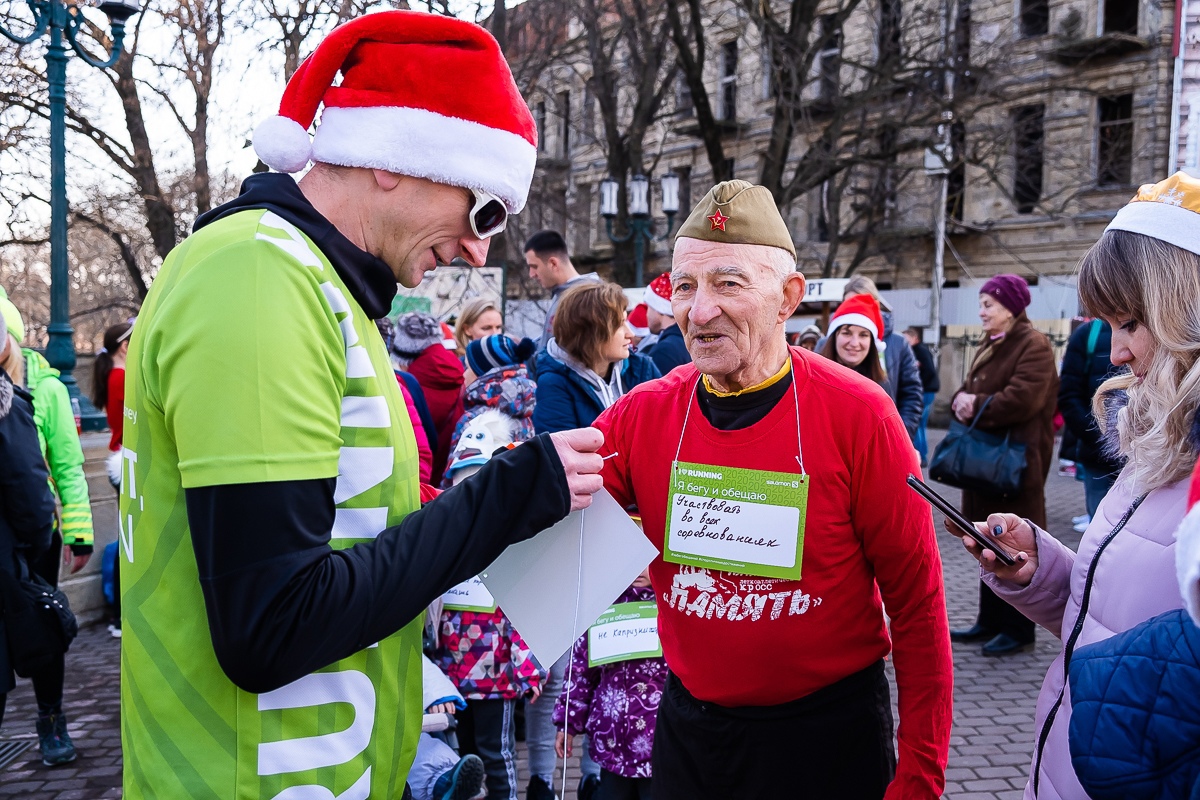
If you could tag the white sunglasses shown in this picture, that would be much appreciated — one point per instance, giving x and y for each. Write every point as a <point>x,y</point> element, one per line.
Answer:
<point>489,215</point>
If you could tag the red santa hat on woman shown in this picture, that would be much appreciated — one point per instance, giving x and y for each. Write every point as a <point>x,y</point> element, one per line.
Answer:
<point>658,295</point>
<point>420,95</point>
<point>861,310</point>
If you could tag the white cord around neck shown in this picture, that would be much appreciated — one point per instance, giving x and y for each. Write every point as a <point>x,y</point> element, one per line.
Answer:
<point>571,658</point>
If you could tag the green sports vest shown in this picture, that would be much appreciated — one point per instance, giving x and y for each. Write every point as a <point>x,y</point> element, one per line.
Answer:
<point>251,362</point>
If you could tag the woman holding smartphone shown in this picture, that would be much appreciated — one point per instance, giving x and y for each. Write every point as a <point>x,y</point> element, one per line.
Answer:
<point>1143,278</point>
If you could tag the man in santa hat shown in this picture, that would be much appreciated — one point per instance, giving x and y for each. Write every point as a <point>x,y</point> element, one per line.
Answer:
<point>278,563</point>
<point>775,492</point>
<point>669,351</point>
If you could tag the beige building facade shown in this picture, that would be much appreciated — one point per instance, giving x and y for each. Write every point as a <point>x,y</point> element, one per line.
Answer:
<point>1065,109</point>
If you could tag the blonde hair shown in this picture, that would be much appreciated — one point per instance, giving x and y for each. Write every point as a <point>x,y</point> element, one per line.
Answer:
<point>1130,276</point>
<point>860,284</point>
<point>14,364</point>
<point>470,314</point>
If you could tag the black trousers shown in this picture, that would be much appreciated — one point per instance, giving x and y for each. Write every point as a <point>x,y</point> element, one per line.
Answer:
<point>487,729</point>
<point>617,787</point>
<point>997,615</point>
<point>47,688</point>
<point>48,683</point>
<point>834,744</point>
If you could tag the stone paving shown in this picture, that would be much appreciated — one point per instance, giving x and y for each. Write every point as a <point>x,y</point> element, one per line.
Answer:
<point>989,754</point>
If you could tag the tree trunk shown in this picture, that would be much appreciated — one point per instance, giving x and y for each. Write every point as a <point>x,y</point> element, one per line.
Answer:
<point>692,65</point>
<point>160,216</point>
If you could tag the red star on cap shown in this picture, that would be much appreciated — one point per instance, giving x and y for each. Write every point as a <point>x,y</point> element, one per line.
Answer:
<point>718,220</point>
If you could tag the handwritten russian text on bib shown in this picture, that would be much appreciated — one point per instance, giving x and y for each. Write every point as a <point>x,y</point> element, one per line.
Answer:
<point>627,631</point>
<point>470,595</point>
<point>746,521</point>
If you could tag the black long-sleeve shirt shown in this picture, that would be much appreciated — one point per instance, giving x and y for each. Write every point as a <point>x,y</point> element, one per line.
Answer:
<point>281,603</point>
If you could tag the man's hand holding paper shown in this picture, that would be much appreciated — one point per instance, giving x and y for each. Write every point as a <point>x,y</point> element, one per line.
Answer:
<point>577,452</point>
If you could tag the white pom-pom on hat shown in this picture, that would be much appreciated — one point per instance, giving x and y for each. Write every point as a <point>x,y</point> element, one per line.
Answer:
<point>282,144</point>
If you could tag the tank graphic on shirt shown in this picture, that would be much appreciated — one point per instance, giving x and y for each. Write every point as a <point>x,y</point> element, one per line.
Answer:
<point>702,593</point>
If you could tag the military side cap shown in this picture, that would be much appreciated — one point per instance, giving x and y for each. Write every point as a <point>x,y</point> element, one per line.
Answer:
<point>738,212</point>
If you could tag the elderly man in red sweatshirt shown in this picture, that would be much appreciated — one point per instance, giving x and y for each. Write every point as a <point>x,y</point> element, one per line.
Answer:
<point>773,483</point>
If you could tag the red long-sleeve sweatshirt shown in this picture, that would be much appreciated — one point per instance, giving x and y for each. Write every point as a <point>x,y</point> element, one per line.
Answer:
<point>736,640</point>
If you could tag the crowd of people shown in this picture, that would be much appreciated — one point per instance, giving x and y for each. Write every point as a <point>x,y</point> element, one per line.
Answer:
<point>299,568</point>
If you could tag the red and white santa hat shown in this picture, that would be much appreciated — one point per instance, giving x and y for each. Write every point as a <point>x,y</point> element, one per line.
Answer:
<point>658,295</point>
<point>638,322</point>
<point>1187,551</point>
<point>861,310</point>
<point>421,95</point>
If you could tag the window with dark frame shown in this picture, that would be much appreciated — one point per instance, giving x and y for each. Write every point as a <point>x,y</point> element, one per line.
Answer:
<point>962,47</point>
<point>1121,16</point>
<point>564,110</point>
<point>890,18</point>
<point>829,58</point>
<point>728,83</point>
<point>684,105</point>
<point>1034,17</point>
<point>1029,138</point>
<point>886,141</point>
<point>821,225</point>
<point>685,190</point>
<point>539,119</point>
<point>1114,137</point>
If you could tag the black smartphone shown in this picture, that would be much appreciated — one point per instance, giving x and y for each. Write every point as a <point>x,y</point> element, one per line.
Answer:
<point>952,514</point>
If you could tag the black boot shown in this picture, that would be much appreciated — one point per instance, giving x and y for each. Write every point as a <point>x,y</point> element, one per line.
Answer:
<point>1004,645</point>
<point>588,786</point>
<point>975,633</point>
<point>539,790</point>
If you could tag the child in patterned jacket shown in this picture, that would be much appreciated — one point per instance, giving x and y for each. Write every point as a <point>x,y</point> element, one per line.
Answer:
<point>478,648</point>
<point>616,704</point>
<point>492,667</point>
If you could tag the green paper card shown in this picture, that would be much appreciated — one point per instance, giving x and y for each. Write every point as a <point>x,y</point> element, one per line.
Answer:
<point>470,595</point>
<point>746,521</point>
<point>625,632</point>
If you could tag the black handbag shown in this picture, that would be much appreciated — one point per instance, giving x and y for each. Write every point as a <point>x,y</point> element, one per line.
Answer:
<point>977,460</point>
<point>39,625</point>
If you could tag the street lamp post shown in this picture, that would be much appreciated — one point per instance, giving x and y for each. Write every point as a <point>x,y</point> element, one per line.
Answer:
<point>63,18</point>
<point>640,225</point>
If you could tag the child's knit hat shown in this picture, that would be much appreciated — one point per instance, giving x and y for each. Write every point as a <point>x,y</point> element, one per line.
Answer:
<point>414,332</point>
<point>11,317</point>
<point>498,350</point>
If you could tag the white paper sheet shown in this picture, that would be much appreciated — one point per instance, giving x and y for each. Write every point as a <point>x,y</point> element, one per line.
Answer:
<point>537,582</point>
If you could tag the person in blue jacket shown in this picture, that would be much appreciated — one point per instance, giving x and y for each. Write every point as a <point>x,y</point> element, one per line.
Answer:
<point>586,366</point>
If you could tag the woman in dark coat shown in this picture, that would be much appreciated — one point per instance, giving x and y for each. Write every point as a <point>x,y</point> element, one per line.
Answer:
<point>26,503</point>
<point>1015,368</point>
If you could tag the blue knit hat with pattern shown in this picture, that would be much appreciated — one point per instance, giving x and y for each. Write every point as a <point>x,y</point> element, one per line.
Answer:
<point>498,350</point>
